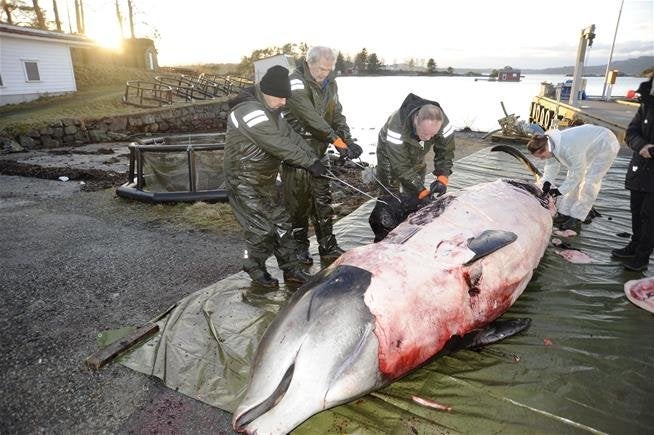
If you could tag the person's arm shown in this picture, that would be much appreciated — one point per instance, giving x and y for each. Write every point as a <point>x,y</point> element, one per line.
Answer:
<point>302,108</point>
<point>551,170</point>
<point>255,124</point>
<point>634,137</point>
<point>444,150</point>
<point>340,122</point>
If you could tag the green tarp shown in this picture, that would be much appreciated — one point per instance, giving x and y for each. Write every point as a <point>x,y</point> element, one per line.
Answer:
<point>585,365</point>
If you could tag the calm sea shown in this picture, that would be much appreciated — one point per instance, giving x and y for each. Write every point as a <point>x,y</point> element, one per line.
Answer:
<point>368,101</point>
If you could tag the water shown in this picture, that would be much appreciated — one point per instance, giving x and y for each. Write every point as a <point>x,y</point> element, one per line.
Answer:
<point>368,101</point>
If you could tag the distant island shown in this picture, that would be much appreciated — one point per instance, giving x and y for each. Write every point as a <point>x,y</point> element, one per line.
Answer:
<point>630,67</point>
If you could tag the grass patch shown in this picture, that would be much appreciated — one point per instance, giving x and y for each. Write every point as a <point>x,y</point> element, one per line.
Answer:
<point>216,218</point>
<point>93,103</point>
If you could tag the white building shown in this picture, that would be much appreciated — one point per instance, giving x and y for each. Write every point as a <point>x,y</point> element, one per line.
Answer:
<point>35,63</point>
<point>261,66</point>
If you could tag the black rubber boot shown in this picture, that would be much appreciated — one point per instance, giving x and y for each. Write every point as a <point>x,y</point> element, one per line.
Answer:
<point>331,254</point>
<point>626,252</point>
<point>304,257</point>
<point>636,264</point>
<point>262,278</point>
<point>296,276</point>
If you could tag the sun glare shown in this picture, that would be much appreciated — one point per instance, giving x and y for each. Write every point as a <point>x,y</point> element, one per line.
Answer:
<point>105,33</point>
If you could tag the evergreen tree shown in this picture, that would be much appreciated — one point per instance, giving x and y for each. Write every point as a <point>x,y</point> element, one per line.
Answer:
<point>431,66</point>
<point>340,63</point>
<point>374,65</point>
<point>450,70</point>
<point>361,60</point>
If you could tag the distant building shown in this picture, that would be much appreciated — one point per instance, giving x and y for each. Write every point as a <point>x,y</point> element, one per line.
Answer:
<point>35,63</point>
<point>508,74</point>
<point>261,66</point>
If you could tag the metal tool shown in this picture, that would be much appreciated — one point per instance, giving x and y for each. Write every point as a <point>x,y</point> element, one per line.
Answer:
<point>376,179</point>
<point>330,175</point>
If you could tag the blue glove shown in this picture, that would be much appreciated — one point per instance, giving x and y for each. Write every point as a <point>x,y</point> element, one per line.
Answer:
<point>317,169</point>
<point>437,188</point>
<point>353,150</point>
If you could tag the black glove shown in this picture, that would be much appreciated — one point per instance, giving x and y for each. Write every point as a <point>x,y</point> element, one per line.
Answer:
<point>546,187</point>
<point>353,150</point>
<point>554,193</point>
<point>437,188</point>
<point>317,169</point>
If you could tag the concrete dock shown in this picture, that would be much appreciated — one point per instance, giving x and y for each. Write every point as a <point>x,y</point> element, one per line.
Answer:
<point>614,114</point>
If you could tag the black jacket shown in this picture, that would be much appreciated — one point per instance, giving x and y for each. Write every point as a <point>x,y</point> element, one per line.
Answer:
<point>640,174</point>
<point>401,154</point>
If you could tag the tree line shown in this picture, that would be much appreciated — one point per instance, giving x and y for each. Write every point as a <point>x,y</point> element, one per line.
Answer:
<point>32,14</point>
<point>362,63</point>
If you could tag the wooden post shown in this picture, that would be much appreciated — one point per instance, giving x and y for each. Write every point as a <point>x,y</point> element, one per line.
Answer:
<point>107,354</point>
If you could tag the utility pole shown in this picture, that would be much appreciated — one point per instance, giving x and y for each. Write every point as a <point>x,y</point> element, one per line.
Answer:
<point>120,20</point>
<point>56,13</point>
<point>608,65</point>
<point>131,18</point>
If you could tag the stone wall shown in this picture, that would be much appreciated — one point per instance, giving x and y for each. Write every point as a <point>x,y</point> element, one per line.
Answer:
<point>200,117</point>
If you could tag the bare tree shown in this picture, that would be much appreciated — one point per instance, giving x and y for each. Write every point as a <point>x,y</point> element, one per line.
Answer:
<point>8,9</point>
<point>79,16</point>
<point>38,13</point>
<point>120,19</point>
<point>131,18</point>
<point>56,14</point>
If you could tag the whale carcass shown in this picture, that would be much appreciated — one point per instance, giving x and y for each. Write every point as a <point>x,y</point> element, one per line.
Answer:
<point>381,310</point>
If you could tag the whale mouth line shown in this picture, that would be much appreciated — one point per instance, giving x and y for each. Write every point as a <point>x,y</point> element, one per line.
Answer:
<point>267,404</point>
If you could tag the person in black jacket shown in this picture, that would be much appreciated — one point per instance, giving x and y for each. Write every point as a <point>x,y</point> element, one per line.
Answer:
<point>640,182</point>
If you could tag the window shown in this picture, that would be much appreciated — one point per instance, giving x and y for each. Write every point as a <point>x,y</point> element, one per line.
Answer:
<point>32,71</point>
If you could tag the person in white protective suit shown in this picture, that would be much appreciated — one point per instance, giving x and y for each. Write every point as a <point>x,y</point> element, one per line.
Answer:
<point>587,151</point>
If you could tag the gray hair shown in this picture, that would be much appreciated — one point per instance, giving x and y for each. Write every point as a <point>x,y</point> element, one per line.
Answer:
<point>429,112</point>
<point>318,52</point>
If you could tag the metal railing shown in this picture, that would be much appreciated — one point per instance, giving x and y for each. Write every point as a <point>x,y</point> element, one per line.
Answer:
<point>147,94</point>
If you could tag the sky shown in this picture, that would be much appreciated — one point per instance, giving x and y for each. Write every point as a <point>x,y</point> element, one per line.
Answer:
<point>457,33</point>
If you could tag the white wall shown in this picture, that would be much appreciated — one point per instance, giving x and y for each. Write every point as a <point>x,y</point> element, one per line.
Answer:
<point>55,69</point>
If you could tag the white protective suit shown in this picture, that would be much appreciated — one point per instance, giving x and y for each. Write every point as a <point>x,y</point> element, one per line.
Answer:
<point>588,152</point>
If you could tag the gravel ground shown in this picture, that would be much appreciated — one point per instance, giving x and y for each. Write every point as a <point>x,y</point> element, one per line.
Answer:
<point>76,262</point>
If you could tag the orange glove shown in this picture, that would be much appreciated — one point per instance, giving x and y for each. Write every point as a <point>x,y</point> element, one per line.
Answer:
<point>423,193</point>
<point>443,179</point>
<point>340,144</point>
